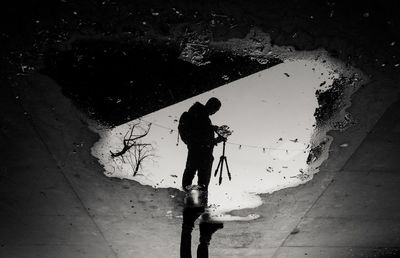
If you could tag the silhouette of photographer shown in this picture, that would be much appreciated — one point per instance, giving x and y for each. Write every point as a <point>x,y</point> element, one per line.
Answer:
<point>197,132</point>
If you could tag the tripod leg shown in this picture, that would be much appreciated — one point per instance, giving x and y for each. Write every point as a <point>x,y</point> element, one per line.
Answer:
<point>218,166</point>
<point>221,168</point>
<point>227,169</point>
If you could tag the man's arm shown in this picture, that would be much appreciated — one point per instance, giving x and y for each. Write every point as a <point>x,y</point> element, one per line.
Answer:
<point>218,139</point>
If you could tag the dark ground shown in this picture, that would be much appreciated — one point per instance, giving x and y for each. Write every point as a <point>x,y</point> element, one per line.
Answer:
<point>90,47</point>
<point>54,200</point>
<point>131,80</point>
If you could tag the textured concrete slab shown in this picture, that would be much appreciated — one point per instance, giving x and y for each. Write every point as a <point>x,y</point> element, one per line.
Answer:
<point>41,215</point>
<point>18,138</point>
<point>45,192</point>
<point>380,150</point>
<point>360,195</point>
<point>32,229</point>
<point>238,253</point>
<point>360,207</point>
<point>50,251</point>
<point>368,105</point>
<point>333,252</point>
<point>346,232</point>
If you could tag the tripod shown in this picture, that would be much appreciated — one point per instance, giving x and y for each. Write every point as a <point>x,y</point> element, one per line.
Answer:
<point>220,166</point>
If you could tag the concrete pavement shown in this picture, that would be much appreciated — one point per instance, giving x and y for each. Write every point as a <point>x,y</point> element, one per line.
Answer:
<point>55,201</point>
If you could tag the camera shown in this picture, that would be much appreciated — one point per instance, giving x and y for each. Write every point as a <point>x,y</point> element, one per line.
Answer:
<point>223,131</point>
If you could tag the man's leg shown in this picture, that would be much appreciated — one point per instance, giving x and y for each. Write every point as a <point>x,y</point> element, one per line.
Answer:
<point>204,176</point>
<point>190,169</point>
<point>207,229</point>
<point>189,217</point>
<point>204,173</point>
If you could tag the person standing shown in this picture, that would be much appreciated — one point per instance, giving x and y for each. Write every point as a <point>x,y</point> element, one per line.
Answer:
<point>197,132</point>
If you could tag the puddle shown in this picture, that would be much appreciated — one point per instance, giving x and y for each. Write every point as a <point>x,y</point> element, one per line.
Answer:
<point>279,102</point>
<point>272,115</point>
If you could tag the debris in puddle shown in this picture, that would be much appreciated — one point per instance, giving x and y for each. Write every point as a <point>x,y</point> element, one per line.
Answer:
<point>343,124</point>
<point>295,231</point>
<point>287,75</point>
<point>225,77</point>
<point>331,100</point>
<point>344,145</point>
<point>315,152</point>
<point>303,176</point>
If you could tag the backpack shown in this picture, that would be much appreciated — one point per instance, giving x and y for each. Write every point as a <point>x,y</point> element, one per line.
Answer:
<point>184,127</point>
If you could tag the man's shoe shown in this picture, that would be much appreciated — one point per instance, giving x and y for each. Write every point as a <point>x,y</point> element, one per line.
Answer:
<point>207,228</point>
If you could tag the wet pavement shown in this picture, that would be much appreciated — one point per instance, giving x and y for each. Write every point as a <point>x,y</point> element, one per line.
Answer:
<point>55,201</point>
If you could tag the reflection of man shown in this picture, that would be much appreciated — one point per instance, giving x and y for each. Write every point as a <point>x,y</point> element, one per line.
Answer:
<point>197,131</point>
<point>207,229</point>
<point>198,134</point>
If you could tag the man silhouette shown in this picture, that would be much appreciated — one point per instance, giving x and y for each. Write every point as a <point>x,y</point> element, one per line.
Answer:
<point>198,134</point>
<point>200,141</point>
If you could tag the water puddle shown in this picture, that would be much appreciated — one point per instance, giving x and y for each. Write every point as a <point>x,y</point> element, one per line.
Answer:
<point>278,139</point>
<point>279,102</point>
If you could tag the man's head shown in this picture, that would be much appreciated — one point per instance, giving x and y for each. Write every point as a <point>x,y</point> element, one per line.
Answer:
<point>213,105</point>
